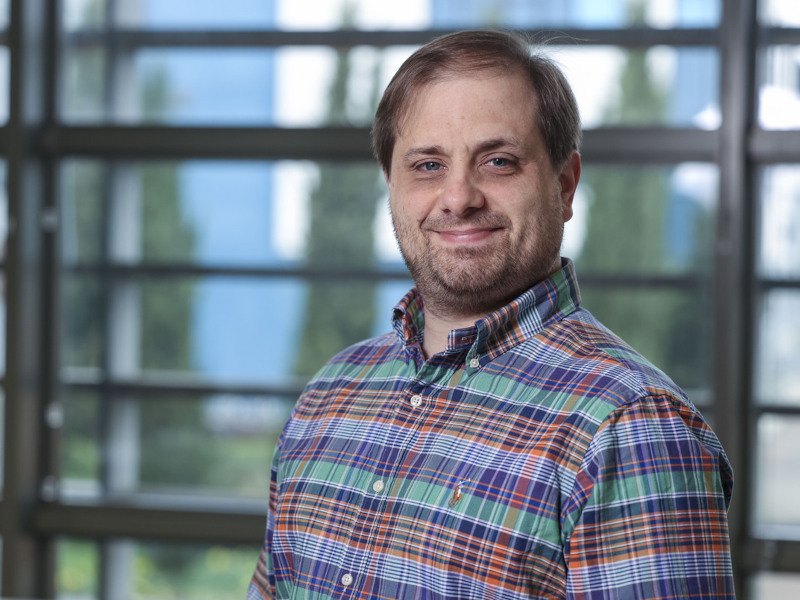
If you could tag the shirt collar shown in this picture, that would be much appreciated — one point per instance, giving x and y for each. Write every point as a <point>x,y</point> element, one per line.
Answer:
<point>497,332</point>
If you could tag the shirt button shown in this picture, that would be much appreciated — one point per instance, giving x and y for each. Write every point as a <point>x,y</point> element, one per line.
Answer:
<point>416,400</point>
<point>347,579</point>
<point>378,486</point>
<point>474,363</point>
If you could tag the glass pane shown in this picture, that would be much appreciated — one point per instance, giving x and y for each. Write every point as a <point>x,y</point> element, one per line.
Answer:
<point>83,14</point>
<point>77,570</point>
<point>156,570</point>
<point>241,329</point>
<point>81,452</point>
<point>2,324</point>
<point>288,86</point>
<point>769,586</point>
<point>3,210</point>
<point>411,14</point>
<point>668,326</point>
<point>219,445</point>
<point>243,214</point>
<point>294,86</point>
<point>573,13</point>
<point>660,86</point>
<point>778,96</point>
<point>779,247</point>
<point>82,212</point>
<point>4,13</point>
<point>778,359</point>
<point>778,471</point>
<point>782,13</point>
<point>5,78</point>
<point>222,328</point>
<point>222,445</point>
<point>82,321</point>
<point>644,220</point>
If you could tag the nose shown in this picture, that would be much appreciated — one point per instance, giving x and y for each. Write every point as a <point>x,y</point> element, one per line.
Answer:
<point>461,194</point>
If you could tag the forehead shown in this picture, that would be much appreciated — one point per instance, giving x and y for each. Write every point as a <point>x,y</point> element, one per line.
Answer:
<point>470,101</point>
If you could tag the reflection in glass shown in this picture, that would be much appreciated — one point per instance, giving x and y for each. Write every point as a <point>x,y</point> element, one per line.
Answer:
<point>779,243</point>
<point>779,90</point>
<point>778,359</point>
<point>777,471</point>
<point>158,569</point>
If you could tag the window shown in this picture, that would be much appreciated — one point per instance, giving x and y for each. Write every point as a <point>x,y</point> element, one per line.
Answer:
<point>191,223</point>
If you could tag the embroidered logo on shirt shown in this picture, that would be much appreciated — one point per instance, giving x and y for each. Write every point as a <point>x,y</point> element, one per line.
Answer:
<point>458,492</point>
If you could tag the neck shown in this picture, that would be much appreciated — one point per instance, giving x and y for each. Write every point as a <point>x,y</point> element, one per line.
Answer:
<point>438,326</point>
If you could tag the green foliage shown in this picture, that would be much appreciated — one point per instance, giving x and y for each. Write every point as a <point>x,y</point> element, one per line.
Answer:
<point>627,233</point>
<point>340,235</point>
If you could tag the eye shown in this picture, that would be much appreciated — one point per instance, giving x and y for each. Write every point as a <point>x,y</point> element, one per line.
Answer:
<point>430,166</point>
<point>500,162</point>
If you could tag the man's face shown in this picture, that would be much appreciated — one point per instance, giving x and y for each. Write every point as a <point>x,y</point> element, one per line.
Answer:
<point>477,207</point>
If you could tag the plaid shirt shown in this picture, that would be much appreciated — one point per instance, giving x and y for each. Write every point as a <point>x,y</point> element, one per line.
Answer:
<point>538,456</point>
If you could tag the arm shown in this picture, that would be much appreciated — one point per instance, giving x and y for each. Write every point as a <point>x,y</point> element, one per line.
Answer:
<point>650,509</point>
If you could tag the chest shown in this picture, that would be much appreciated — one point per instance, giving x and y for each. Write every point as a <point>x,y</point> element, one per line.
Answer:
<point>411,476</point>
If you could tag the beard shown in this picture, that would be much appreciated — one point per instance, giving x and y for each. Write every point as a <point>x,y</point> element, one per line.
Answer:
<point>472,281</point>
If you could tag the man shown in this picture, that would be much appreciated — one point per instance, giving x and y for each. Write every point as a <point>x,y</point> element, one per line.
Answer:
<point>500,443</point>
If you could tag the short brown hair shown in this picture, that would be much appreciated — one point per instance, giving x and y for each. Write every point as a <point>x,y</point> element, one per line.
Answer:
<point>483,50</point>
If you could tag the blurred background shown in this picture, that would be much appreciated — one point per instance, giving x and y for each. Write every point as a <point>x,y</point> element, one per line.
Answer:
<point>191,223</point>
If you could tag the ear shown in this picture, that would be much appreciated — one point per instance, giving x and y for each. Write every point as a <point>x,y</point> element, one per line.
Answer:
<point>568,179</point>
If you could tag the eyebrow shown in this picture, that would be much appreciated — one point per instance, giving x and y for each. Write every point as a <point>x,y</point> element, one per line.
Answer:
<point>487,145</point>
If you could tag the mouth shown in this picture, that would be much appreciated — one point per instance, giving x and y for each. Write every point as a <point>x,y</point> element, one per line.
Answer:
<point>472,235</point>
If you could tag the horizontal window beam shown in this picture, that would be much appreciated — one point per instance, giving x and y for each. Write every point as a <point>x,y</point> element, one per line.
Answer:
<point>332,273</point>
<point>775,146</point>
<point>150,270</point>
<point>630,37</point>
<point>606,145</point>
<point>174,384</point>
<point>779,35</point>
<point>780,555</point>
<point>776,408</point>
<point>97,520</point>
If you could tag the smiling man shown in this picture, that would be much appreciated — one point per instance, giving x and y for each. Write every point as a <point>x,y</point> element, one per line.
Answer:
<point>500,443</point>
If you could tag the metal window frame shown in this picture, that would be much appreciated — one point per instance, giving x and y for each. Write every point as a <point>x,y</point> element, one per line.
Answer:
<point>34,141</point>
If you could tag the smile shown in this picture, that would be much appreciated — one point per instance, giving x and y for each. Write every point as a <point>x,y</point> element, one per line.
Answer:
<point>467,236</point>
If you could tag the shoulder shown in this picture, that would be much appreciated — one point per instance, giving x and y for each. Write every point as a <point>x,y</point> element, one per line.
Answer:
<point>588,360</point>
<point>366,353</point>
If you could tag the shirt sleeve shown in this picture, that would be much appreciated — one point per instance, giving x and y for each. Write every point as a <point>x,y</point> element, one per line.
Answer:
<point>650,517</point>
<point>262,584</point>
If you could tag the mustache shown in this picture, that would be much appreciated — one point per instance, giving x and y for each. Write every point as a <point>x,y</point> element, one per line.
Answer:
<point>483,220</point>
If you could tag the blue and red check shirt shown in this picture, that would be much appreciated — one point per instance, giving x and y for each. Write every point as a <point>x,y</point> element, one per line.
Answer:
<point>538,456</point>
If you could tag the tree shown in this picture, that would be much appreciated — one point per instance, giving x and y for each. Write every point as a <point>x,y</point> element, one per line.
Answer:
<point>627,233</point>
<point>340,236</point>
